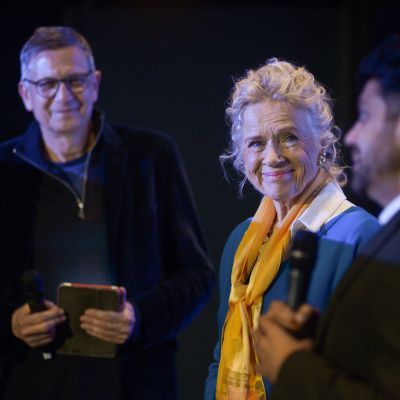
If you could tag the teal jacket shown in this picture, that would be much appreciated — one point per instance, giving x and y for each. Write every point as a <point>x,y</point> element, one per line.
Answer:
<point>340,240</point>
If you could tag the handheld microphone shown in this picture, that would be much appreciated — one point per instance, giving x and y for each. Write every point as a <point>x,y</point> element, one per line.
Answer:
<point>33,288</point>
<point>302,259</point>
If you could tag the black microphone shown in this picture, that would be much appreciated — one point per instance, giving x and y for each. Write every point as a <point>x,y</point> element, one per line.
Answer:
<point>33,288</point>
<point>302,258</point>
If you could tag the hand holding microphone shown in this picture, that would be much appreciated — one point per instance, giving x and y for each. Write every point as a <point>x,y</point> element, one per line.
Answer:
<point>35,322</point>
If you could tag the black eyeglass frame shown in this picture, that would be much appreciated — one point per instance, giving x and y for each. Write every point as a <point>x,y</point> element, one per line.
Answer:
<point>67,82</point>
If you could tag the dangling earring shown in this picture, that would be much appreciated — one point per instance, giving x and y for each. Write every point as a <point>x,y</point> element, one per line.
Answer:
<point>321,159</point>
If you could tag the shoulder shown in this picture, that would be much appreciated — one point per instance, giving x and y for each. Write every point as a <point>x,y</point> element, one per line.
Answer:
<point>232,244</point>
<point>354,222</point>
<point>237,234</point>
<point>227,257</point>
<point>7,147</point>
<point>385,244</point>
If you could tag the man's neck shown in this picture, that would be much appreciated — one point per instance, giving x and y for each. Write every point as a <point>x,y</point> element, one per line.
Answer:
<point>69,146</point>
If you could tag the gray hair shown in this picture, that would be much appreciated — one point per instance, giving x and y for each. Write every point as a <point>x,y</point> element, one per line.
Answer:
<point>283,81</point>
<point>53,38</point>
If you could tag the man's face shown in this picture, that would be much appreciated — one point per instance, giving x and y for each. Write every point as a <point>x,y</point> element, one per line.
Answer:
<point>66,113</point>
<point>372,140</point>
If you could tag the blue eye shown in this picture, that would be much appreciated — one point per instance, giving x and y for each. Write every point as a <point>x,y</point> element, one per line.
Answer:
<point>254,143</point>
<point>290,139</point>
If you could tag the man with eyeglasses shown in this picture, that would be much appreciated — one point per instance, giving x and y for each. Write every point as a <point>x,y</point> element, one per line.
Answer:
<point>89,202</point>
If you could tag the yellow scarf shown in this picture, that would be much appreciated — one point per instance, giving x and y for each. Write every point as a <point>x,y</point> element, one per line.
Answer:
<point>254,267</point>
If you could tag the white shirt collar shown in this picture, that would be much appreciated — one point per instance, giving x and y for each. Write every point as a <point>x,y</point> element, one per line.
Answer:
<point>330,202</point>
<point>389,211</point>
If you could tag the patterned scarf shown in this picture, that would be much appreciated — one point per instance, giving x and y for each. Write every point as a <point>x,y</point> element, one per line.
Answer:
<point>255,266</point>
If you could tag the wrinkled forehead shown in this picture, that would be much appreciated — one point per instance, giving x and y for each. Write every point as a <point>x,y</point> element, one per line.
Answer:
<point>58,62</point>
<point>56,59</point>
<point>273,116</point>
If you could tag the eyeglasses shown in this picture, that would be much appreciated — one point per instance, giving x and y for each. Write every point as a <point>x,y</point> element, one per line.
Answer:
<point>48,87</point>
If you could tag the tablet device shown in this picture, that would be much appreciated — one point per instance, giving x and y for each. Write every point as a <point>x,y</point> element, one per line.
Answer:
<point>75,298</point>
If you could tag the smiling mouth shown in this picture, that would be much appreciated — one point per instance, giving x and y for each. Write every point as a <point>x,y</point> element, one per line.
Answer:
<point>277,174</point>
<point>65,110</point>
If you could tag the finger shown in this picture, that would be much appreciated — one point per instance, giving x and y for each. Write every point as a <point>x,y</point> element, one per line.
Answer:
<point>278,307</point>
<point>30,328</point>
<point>39,340</point>
<point>98,324</point>
<point>307,344</point>
<point>109,322</point>
<point>115,327</point>
<point>118,326</point>
<point>54,314</point>
<point>262,342</point>
<point>109,319</point>
<point>264,325</point>
<point>116,332</point>
<point>23,310</point>
<point>304,313</point>
<point>108,336</point>
<point>26,325</point>
<point>260,345</point>
<point>102,315</point>
<point>49,304</point>
<point>123,298</point>
<point>42,318</point>
<point>260,327</point>
<point>18,318</point>
<point>282,314</point>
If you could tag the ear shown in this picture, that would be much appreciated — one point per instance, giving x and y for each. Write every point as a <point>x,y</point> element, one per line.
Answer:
<point>96,84</point>
<point>25,95</point>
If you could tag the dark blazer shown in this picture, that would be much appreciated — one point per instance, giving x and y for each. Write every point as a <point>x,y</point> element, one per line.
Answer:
<point>156,248</point>
<point>357,347</point>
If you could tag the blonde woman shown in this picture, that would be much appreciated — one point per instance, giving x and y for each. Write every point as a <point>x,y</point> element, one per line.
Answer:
<point>284,143</point>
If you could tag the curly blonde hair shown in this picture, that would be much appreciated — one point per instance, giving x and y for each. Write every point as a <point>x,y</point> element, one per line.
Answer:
<point>282,81</point>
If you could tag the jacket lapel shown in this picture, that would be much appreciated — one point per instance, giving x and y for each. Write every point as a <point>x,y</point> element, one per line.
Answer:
<point>116,160</point>
<point>25,183</point>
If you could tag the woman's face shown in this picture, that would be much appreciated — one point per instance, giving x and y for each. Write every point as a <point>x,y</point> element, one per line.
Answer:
<point>280,159</point>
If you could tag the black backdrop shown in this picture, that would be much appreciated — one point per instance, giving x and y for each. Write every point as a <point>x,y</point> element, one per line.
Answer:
<point>171,65</point>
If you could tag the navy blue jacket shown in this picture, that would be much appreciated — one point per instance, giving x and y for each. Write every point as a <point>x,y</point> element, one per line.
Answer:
<point>156,248</point>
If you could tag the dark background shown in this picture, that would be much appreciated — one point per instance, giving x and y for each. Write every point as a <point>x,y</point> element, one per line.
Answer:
<point>170,65</point>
